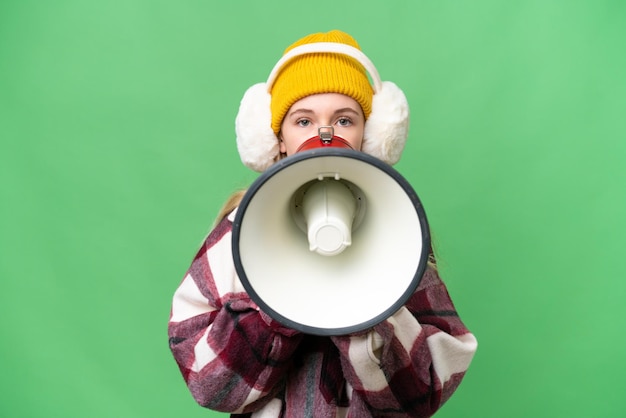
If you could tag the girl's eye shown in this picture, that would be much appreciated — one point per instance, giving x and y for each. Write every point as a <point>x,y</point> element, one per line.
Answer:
<point>304,123</point>
<point>344,122</point>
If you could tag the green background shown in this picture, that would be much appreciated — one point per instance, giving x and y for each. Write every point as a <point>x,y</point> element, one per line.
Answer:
<point>117,149</point>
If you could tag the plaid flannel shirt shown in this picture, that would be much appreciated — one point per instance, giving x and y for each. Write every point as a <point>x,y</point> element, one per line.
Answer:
<point>236,359</point>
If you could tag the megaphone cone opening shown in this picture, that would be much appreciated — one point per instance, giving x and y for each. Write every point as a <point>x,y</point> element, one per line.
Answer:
<point>355,289</point>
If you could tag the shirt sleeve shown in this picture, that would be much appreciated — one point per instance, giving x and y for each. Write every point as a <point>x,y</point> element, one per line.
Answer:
<point>232,357</point>
<point>411,363</point>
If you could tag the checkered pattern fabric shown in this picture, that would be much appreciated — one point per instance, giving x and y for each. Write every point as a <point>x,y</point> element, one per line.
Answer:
<point>236,359</point>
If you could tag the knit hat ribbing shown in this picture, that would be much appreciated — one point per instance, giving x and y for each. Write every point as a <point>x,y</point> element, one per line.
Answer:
<point>320,73</point>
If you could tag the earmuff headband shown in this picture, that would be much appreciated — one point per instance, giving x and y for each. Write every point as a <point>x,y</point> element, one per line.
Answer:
<point>326,47</point>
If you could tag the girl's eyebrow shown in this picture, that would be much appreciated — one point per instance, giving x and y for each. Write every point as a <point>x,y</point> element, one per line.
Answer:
<point>310,111</point>
<point>300,110</point>
<point>346,110</point>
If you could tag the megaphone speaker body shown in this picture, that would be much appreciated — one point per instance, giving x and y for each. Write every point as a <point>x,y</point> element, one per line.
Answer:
<point>349,290</point>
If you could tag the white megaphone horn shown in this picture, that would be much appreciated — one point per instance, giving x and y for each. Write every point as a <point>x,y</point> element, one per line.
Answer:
<point>330,241</point>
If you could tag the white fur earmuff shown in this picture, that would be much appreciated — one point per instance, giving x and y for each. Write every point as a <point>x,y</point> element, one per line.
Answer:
<point>257,144</point>
<point>386,129</point>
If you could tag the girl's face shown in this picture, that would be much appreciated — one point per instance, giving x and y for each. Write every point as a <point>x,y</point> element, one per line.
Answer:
<point>306,116</point>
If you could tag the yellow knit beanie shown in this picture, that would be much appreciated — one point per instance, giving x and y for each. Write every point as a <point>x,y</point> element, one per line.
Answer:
<point>320,73</point>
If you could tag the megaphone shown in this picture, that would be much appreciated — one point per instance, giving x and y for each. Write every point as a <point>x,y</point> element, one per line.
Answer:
<point>330,241</point>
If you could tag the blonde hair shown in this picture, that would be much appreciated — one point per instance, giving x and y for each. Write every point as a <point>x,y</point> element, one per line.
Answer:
<point>231,203</point>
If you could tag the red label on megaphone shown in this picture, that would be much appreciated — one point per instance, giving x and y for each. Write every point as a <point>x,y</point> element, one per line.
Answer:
<point>319,142</point>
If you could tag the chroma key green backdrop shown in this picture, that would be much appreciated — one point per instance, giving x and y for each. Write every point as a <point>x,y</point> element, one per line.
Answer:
<point>117,149</point>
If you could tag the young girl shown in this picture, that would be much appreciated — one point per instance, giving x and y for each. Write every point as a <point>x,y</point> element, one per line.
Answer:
<point>233,356</point>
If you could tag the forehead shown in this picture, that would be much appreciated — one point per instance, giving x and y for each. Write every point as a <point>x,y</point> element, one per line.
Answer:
<point>326,101</point>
